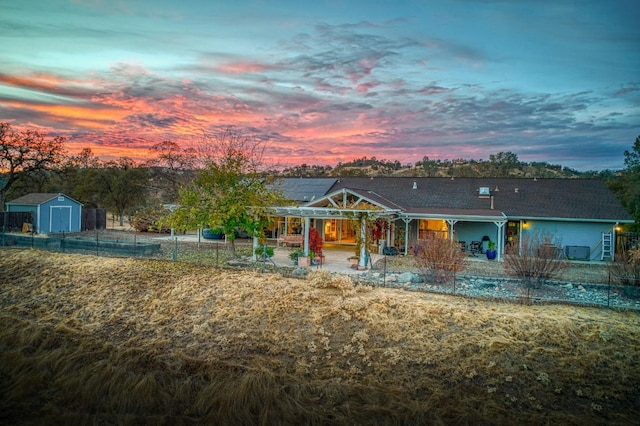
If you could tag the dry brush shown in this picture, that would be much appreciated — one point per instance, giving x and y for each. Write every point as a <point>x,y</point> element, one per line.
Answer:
<point>96,340</point>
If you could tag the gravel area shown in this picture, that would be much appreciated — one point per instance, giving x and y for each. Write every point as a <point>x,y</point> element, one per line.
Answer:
<point>583,283</point>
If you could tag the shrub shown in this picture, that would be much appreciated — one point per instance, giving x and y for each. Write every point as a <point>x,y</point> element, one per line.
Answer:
<point>625,270</point>
<point>439,258</point>
<point>315,242</point>
<point>147,219</point>
<point>263,251</point>
<point>534,259</point>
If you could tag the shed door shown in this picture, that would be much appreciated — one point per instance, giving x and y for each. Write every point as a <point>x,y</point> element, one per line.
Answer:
<point>60,219</point>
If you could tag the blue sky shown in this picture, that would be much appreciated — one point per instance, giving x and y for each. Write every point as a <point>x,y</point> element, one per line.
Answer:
<point>329,81</point>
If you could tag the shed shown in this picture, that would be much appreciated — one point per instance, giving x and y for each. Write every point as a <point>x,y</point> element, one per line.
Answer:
<point>52,212</point>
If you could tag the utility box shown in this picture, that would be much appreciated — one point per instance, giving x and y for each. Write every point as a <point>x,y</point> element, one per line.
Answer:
<point>578,252</point>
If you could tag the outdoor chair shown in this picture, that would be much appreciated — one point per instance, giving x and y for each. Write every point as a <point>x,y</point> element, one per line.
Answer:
<point>475,247</point>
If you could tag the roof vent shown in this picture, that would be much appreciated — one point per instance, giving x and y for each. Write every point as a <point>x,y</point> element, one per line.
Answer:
<point>516,190</point>
<point>415,185</point>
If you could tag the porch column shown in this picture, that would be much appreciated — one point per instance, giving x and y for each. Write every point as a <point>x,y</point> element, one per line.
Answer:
<point>363,237</point>
<point>255,243</point>
<point>451,222</point>
<point>406,235</point>
<point>307,223</point>
<point>500,242</point>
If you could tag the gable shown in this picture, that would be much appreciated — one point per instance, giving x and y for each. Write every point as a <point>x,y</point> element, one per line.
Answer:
<point>351,199</point>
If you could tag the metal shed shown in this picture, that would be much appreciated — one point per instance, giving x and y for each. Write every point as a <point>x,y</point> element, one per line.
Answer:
<point>51,212</point>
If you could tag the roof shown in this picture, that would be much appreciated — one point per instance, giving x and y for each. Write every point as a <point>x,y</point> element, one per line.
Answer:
<point>37,198</point>
<point>516,198</point>
<point>304,190</point>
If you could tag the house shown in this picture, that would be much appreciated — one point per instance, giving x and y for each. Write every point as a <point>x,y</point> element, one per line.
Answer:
<point>581,215</point>
<point>51,212</point>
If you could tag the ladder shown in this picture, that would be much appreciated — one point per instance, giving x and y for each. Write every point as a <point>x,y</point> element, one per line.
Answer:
<point>606,246</point>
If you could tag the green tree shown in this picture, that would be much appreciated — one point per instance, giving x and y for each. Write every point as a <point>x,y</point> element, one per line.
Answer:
<point>632,158</point>
<point>627,185</point>
<point>430,167</point>
<point>230,192</point>
<point>78,176</point>
<point>504,163</point>
<point>25,154</point>
<point>121,186</point>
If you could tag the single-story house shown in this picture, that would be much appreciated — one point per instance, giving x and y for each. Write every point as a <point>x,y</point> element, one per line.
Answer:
<point>51,212</point>
<point>581,215</point>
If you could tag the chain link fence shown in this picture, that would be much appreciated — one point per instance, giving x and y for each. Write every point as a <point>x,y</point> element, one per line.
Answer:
<point>194,249</point>
<point>109,243</point>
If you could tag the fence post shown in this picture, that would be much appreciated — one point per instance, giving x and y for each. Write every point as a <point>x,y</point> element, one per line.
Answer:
<point>5,215</point>
<point>175,249</point>
<point>384,276</point>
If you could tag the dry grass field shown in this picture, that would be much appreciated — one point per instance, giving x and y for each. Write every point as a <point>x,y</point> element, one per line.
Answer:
<point>94,340</point>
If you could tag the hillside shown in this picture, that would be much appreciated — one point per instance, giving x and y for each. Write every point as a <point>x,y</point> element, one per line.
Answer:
<point>106,341</point>
<point>504,164</point>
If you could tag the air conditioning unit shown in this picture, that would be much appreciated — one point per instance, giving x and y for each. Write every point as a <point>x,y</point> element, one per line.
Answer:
<point>578,252</point>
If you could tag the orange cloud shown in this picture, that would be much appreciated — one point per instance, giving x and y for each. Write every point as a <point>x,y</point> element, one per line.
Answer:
<point>77,115</point>
<point>241,68</point>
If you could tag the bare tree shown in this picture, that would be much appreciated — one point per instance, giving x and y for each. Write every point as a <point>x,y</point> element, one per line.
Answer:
<point>170,168</point>
<point>23,153</point>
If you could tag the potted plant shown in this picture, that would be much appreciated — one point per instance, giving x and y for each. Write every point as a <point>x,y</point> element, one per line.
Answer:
<point>264,251</point>
<point>491,250</point>
<point>306,260</point>
<point>295,254</point>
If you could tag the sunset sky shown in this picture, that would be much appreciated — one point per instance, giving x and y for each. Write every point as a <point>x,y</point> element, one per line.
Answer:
<point>330,80</point>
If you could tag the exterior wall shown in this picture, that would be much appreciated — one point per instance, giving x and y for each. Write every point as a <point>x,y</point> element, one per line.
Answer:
<point>474,231</point>
<point>572,234</point>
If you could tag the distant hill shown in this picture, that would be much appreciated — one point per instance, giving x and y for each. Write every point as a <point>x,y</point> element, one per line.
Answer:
<point>504,164</point>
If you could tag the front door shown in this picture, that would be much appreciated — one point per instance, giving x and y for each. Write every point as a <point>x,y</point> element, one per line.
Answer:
<point>513,231</point>
<point>60,219</point>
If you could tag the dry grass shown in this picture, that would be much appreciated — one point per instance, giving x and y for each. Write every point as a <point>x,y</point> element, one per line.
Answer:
<point>88,340</point>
